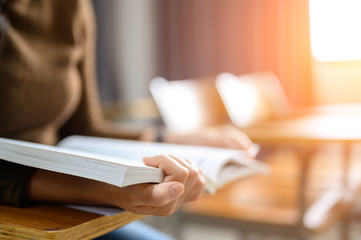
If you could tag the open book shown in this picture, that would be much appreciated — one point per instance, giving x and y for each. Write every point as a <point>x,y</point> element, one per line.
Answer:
<point>119,162</point>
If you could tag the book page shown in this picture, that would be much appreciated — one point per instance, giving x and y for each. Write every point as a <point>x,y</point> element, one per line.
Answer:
<point>209,159</point>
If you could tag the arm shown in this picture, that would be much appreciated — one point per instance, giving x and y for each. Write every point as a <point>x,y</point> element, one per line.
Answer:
<point>183,183</point>
<point>225,136</point>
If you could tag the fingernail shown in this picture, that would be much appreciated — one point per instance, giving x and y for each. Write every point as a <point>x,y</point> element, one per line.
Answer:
<point>176,190</point>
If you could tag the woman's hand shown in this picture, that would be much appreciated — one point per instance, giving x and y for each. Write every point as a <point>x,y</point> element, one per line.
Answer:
<point>183,182</point>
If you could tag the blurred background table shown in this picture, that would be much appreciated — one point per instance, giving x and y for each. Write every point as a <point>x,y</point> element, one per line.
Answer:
<point>307,191</point>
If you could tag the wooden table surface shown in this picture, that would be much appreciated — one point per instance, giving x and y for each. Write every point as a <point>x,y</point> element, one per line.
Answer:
<point>328,124</point>
<point>57,222</point>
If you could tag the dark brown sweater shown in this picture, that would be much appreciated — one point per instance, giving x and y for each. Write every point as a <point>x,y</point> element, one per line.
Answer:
<point>47,81</point>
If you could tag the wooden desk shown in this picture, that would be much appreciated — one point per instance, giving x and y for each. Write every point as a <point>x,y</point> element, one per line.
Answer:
<point>57,222</point>
<point>331,124</point>
<point>303,208</point>
<point>339,124</point>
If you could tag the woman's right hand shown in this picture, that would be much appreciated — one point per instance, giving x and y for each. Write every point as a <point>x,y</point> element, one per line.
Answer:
<point>183,182</point>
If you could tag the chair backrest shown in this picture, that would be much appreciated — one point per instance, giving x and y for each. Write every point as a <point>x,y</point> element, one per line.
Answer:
<point>252,98</point>
<point>188,104</point>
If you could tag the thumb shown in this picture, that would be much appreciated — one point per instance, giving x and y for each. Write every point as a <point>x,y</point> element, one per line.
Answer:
<point>165,193</point>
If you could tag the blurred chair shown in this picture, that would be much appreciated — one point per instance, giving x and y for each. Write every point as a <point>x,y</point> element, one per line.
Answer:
<point>188,104</point>
<point>252,98</point>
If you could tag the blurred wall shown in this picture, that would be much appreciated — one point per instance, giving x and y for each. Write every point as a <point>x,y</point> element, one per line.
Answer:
<point>127,53</point>
<point>337,82</point>
<point>188,38</point>
<point>240,36</point>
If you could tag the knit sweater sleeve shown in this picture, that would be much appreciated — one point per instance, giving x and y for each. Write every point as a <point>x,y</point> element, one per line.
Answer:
<point>13,183</point>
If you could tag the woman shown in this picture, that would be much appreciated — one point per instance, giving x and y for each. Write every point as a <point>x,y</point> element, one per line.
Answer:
<point>48,91</point>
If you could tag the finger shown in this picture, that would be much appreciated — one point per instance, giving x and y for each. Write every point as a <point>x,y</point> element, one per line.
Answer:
<point>173,170</point>
<point>190,165</point>
<point>236,141</point>
<point>193,172</point>
<point>195,183</point>
<point>240,137</point>
<point>159,195</point>
<point>197,190</point>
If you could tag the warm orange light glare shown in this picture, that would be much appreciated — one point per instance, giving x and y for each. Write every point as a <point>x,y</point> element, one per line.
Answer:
<point>335,29</point>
